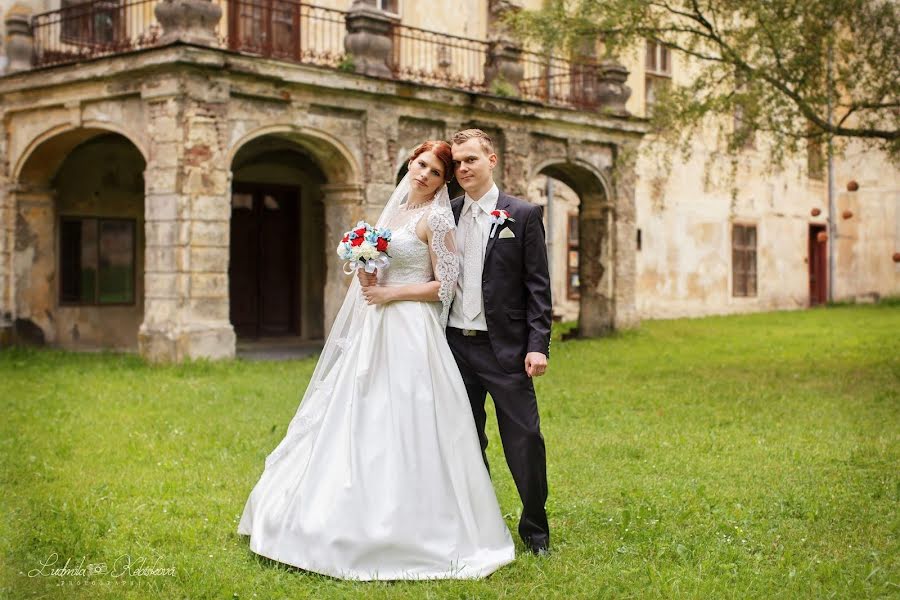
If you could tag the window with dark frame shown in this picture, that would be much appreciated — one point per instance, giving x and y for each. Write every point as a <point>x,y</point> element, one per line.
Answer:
<point>657,71</point>
<point>390,6</point>
<point>743,260</point>
<point>572,280</point>
<point>91,23</point>
<point>97,261</point>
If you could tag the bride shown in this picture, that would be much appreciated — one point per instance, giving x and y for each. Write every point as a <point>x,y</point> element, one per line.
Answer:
<point>380,474</point>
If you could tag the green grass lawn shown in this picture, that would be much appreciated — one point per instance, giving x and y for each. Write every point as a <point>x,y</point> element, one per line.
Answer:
<point>735,457</point>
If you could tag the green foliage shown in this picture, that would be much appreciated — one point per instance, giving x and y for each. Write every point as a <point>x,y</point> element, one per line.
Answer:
<point>502,87</point>
<point>771,67</point>
<point>347,64</point>
<point>729,457</point>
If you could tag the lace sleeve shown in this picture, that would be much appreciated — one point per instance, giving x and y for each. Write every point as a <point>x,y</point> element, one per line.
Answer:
<point>444,257</point>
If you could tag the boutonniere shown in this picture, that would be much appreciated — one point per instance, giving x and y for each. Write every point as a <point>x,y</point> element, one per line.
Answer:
<point>498,218</point>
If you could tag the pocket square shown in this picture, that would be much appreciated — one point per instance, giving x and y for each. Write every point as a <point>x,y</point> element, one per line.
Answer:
<point>507,233</point>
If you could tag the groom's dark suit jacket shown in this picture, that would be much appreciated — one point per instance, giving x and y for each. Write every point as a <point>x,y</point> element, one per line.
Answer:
<point>515,284</point>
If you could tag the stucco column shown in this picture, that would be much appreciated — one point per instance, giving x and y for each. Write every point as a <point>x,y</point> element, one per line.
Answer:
<point>624,251</point>
<point>343,208</point>
<point>612,92</point>
<point>188,21</point>
<point>596,289</point>
<point>516,158</point>
<point>187,219</point>
<point>34,260</point>
<point>7,242</point>
<point>19,39</point>
<point>369,40</point>
<point>503,69</point>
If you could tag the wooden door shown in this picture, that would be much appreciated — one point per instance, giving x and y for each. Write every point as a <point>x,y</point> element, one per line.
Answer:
<point>267,27</point>
<point>246,25</point>
<point>818,265</point>
<point>263,260</point>
<point>284,32</point>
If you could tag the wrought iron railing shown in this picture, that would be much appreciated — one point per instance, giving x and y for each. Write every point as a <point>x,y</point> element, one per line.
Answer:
<point>555,80</point>
<point>438,59</point>
<point>93,28</point>
<point>285,29</point>
<point>296,31</point>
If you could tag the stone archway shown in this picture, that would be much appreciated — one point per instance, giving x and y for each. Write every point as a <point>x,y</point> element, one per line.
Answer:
<point>560,205</point>
<point>277,263</point>
<point>596,246</point>
<point>77,274</point>
<point>317,179</point>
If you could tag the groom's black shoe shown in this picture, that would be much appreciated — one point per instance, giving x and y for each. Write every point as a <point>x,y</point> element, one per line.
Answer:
<point>541,549</point>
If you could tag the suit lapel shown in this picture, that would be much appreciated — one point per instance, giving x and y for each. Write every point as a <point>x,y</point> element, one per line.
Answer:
<point>456,207</point>
<point>502,204</point>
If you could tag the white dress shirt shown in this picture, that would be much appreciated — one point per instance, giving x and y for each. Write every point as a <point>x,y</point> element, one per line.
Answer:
<point>487,203</point>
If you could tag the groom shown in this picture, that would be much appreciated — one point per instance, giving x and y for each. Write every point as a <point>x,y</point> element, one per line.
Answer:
<point>499,325</point>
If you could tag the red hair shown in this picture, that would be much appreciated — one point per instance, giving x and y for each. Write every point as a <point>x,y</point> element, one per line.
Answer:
<point>441,150</point>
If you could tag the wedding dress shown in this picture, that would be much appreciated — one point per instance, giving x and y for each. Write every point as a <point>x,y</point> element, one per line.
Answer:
<point>380,475</point>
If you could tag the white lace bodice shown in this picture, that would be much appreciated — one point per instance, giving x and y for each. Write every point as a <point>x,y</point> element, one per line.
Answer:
<point>410,258</point>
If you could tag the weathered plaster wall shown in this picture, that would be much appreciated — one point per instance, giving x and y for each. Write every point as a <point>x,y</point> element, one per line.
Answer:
<point>685,267</point>
<point>34,263</point>
<point>444,15</point>
<point>685,214</point>
<point>867,240</point>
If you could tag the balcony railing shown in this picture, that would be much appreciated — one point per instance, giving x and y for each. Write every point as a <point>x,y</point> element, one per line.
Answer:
<point>296,31</point>
<point>438,59</point>
<point>94,28</point>
<point>285,29</point>
<point>554,80</point>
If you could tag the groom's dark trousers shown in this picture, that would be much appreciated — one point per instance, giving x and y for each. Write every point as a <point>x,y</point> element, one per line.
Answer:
<point>517,417</point>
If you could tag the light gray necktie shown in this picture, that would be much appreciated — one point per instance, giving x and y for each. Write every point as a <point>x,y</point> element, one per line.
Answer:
<point>472,266</point>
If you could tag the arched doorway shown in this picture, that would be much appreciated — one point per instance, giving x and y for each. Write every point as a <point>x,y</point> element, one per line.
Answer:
<point>276,267</point>
<point>560,204</point>
<point>80,241</point>
<point>580,222</point>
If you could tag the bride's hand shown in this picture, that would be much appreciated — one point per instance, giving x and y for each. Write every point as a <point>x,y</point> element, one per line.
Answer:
<point>367,279</point>
<point>376,294</point>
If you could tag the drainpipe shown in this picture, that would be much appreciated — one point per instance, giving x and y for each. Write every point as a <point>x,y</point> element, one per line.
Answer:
<point>551,234</point>
<point>832,226</point>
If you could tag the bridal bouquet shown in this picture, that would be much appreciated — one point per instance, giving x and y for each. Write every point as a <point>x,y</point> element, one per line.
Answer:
<point>365,247</point>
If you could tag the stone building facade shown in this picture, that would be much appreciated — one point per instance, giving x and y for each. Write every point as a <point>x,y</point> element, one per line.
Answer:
<point>174,173</point>
<point>172,194</point>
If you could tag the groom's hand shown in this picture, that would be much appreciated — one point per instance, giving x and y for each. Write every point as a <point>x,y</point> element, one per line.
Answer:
<point>535,364</point>
<point>367,279</point>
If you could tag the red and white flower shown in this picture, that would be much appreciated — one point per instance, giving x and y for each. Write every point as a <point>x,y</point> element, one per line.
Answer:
<point>365,247</point>
<point>498,218</point>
